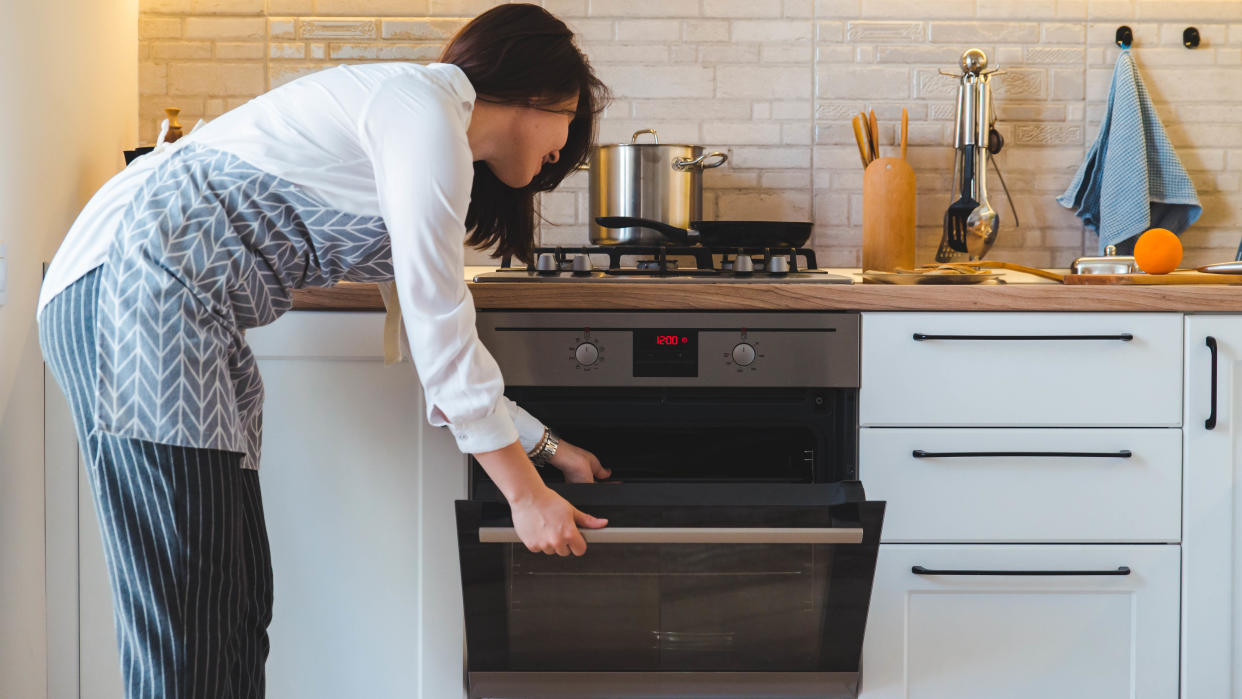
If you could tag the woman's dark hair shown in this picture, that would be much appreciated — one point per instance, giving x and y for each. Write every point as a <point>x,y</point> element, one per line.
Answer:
<point>522,55</point>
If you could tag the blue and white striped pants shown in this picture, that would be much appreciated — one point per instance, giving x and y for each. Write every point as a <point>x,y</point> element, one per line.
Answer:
<point>184,538</point>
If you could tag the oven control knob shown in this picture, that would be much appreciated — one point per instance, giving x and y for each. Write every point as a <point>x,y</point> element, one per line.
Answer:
<point>582,264</point>
<point>743,264</point>
<point>744,354</point>
<point>546,262</point>
<point>587,354</point>
<point>778,265</point>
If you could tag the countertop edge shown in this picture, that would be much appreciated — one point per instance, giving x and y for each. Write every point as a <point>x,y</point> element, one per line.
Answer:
<point>1190,298</point>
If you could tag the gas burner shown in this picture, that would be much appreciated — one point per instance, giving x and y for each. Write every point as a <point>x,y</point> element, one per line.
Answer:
<point>668,263</point>
<point>657,265</point>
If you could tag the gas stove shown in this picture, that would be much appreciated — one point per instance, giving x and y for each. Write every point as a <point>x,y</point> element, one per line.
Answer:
<point>667,264</point>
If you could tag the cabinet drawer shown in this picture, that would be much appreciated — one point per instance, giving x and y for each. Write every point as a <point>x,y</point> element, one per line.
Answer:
<point>1079,633</point>
<point>1021,369</point>
<point>1025,485</point>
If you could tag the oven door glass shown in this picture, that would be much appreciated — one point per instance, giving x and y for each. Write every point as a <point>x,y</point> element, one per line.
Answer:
<point>687,578</point>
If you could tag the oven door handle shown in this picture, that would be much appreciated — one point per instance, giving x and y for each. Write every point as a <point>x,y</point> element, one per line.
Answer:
<point>694,535</point>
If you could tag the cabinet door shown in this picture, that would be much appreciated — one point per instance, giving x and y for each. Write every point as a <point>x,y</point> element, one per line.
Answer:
<point>1007,485</point>
<point>358,495</point>
<point>1021,369</point>
<point>1072,626</point>
<point>1212,527</point>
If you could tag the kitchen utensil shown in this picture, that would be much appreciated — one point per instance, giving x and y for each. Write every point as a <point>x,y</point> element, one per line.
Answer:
<point>905,127</point>
<point>863,152</point>
<point>1110,263</point>
<point>958,213</point>
<point>1178,277</point>
<point>982,223</point>
<point>868,137</point>
<point>972,139</point>
<point>721,233</point>
<point>944,253</point>
<point>659,182</point>
<point>908,278</point>
<point>888,215</point>
<point>875,136</point>
<point>998,264</point>
<point>1223,268</point>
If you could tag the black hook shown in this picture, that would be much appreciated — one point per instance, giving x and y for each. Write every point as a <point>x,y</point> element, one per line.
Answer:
<point>1125,37</point>
<point>1190,38</point>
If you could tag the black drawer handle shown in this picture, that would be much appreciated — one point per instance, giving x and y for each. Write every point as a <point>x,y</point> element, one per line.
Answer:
<point>1124,337</point>
<point>920,570</point>
<point>1210,423</point>
<point>1123,454</point>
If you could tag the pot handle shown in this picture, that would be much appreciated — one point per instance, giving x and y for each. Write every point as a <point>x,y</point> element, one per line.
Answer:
<point>640,132</point>
<point>684,164</point>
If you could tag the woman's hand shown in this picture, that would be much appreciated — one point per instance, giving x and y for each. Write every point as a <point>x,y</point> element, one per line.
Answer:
<point>547,523</point>
<point>578,464</point>
<point>544,521</point>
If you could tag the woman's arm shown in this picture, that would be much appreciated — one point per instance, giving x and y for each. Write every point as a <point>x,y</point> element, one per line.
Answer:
<point>544,520</point>
<point>416,141</point>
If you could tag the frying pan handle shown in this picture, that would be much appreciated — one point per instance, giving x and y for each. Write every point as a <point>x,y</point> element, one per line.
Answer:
<point>673,233</point>
<point>684,164</point>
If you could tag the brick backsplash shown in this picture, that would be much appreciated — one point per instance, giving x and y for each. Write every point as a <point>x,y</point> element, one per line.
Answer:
<point>775,82</point>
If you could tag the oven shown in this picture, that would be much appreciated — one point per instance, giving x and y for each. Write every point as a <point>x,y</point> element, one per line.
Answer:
<point>740,551</point>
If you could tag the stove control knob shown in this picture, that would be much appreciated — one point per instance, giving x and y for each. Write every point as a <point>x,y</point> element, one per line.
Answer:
<point>744,354</point>
<point>587,354</point>
<point>743,264</point>
<point>778,265</point>
<point>582,264</point>
<point>546,262</point>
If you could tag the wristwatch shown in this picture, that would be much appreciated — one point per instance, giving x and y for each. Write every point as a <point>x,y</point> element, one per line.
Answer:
<point>546,449</point>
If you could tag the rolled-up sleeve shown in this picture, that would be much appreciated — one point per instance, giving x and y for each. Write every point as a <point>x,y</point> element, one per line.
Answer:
<point>416,141</point>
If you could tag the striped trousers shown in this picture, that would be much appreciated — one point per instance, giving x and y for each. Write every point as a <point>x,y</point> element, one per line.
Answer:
<point>184,538</point>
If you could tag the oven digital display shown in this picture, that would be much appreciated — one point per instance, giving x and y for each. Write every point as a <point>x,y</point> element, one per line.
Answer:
<point>672,340</point>
<point>666,352</point>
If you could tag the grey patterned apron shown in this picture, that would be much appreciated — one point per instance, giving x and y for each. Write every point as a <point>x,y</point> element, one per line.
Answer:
<point>210,247</point>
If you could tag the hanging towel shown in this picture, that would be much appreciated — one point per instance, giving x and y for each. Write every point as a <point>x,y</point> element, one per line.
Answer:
<point>1132,179</point>
<point>396,344</point>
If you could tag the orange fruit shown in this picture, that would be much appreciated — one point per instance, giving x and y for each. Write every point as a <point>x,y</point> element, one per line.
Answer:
<point>1158,251</point>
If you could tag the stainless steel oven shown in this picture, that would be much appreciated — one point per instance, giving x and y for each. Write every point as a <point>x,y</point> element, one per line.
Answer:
<point>739,557</point>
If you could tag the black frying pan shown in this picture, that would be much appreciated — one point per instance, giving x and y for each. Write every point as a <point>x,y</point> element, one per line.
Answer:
<point>758,234</point>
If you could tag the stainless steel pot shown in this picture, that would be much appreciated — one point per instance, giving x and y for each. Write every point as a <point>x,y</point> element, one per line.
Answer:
<point>658,181</point>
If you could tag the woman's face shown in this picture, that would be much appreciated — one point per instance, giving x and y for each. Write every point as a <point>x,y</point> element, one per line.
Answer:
<point>538,133</point>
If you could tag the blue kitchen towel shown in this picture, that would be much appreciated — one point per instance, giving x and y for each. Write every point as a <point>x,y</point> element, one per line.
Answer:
<point>1132,179</point>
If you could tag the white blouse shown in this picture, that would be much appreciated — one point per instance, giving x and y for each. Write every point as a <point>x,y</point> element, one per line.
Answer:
<point>386,140</point>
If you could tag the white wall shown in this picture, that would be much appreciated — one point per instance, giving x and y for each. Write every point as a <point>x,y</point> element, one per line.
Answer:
<point>70,94</point>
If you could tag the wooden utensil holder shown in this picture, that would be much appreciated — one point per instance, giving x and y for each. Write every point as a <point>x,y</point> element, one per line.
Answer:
<point>888,215</point>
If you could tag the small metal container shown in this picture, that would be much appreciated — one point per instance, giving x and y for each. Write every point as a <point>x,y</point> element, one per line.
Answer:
<point>1111,263</point>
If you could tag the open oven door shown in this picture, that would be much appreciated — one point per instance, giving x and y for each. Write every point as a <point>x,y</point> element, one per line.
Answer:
<point>693,590</point>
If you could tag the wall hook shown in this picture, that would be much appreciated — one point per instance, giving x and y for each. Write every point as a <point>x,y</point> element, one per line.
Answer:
<point>1125,37</point>
<point>1190,38</point>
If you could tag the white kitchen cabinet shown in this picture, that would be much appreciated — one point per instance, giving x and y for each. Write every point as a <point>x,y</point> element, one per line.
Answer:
<point>358,493</point>
<point>1212,546</point>
<point>1004,484</point>
<point>358,496</point>
<point>1021,369</point>
<point>954,636</point>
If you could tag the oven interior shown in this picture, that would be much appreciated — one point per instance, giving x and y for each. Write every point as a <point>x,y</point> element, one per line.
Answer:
<point>704,435</point>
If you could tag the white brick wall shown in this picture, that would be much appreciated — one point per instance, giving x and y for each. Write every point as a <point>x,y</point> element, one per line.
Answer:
<point>775,82</point>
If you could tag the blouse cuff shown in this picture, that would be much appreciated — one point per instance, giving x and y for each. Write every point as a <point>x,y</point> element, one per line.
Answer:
<point>530,429</point>
<point>488,433</point>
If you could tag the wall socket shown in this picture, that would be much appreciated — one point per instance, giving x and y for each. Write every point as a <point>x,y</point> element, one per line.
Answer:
<point>4,273</point>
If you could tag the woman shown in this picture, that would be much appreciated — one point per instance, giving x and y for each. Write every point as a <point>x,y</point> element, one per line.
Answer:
<point>361,173</point>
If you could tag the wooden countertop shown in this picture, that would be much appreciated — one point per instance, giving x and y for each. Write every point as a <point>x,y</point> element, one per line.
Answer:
<point>1020,293</point>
